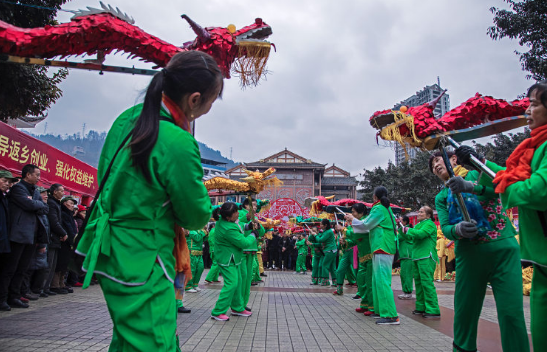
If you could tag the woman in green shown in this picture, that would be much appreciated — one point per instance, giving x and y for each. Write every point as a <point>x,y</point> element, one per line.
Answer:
<point>317,259</point>
<point>486,252</point>
<point>381,225</point>
<point>212,276</point>
<point>229,245</point>
<point>329,248</point>
<point>424,258</point>
<point>154,182</point>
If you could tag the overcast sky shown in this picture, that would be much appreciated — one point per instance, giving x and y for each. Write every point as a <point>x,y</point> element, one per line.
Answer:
<point>336,63</point>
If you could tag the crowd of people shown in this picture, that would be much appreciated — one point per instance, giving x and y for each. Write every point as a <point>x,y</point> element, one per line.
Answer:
<point>38,227</point>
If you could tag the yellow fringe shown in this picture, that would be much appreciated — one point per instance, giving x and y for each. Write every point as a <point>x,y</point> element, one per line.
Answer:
<point>392,132</point>
<point>250,64</point>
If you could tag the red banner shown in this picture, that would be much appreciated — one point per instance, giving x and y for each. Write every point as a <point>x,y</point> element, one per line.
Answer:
<point>18,149</point>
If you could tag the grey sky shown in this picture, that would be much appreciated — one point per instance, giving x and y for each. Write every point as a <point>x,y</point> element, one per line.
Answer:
<point>336,63</point>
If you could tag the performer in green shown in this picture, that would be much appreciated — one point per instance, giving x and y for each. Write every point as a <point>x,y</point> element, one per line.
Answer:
<point>350,274</point>
<point>424,254</point>
<point>345,248</point>
<point>129,239</point>
<point>249,253</point>
<point>212,275</point>
<point>230,243</point>
<point>302,253</point>
<point>318,257</point>
<point>194,239</point>
<point>381,224</point>
<point>329,262</point>
<point>405,256</point>
<point>486,252</point>
<point>361,237</point>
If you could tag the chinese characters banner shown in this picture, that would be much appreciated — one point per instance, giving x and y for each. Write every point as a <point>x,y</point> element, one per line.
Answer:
<point>18,149</point>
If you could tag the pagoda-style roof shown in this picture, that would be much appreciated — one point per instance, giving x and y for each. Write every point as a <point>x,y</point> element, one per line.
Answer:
<point>335,171</point>
<point>338,181</point>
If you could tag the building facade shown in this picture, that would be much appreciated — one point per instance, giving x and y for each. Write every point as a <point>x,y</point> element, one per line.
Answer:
<point>427,94</point>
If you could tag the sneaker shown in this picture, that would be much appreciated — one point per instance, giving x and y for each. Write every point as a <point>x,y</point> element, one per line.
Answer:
<point>374,315</point>
<point>24,300</point>
<point>388,321</point>
<point>356,298</point>
<point>17,303</point>
<point>405,296</point>
<point>192,290</point>
<point>263,275</point>
<point>4,306</point>
<point>78,284</point>
<point>368,313</point>
<point>439,280</point>
<point>184,310</point>
<point>222,317</point>
<point>216,280</point>
<point>361,310</point>
<point>336,293</point>
<point>50,293</point>
<point>432,316</point>
<point>244,313</point>
<point>208,282</point>
<point>68,289</point>
<point>248,309</point>
<point>197,289</point>
<point>304,273</point>
<point>44,295</point>
<point>418,312</point>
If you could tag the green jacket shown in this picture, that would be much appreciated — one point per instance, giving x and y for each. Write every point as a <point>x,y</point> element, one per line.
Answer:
<point>530,196</point>
<point>404,245</point>
<point>302,247</point>
<point>242,222</point>
<point>132,223</point>
<point>317,247</point>
<point>211,239</point>
<point>328,240</point>
<point>380,223</point>
<point>230,243</point>
<point>493,211</point>
<point>424,237</point>
<point>359,237</point>
<point>195,240</point>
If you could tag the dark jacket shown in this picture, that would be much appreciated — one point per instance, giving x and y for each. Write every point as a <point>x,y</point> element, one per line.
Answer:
<point>54,217</point>
<point>67,220</point>
<point>24,213</point>
<point>4,224</point>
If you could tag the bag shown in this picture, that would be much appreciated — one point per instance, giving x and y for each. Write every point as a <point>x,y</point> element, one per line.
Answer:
<point>39,260</point>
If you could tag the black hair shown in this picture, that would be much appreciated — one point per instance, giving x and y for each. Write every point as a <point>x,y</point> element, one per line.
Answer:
<point>326,222</point>
<point>216,214</point>
<point>227,209</point>
<point>246,202</point>
<point>405,219</point>
<point>541,88</point>
<point>187,72</point>
<point>28,169</point>
<point>381,193</point>
<point>449,153</point>
<point>53,188</point>
<point>359,208</point>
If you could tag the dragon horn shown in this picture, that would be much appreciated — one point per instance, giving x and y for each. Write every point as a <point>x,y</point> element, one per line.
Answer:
<point>202,34</point>
<point>435,101</point>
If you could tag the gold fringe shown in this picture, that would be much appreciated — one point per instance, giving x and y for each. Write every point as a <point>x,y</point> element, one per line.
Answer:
<point>392,132</point>
<point>250,63</point>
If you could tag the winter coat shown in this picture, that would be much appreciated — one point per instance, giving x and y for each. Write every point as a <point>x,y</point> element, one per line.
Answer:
<point>67,221</point>
<point>24,213</point>
<point>54,216</point>
<point>4,224</point>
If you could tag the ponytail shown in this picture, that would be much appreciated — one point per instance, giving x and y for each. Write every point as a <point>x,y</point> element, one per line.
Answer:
<point>381,193</point>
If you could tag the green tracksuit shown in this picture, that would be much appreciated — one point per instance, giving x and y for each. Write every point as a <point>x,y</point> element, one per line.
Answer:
<point>195,245</point>
<point>344,264</point>
<point>424,254</point>
<point>249,255</point>
<point>212,275</point>
<point>490,258</point>
<point>229,244</point>
<point>364,272</point>
<point>317,260</point>
<point>129,239</point>
<point>529,196</point>
<point>405,256</point>
<point>329,261</point>
<point>302,253</point>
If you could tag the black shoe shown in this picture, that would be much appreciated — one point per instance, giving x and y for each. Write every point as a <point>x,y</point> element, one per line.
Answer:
<point>388,321</point>
<point>264,275</point>
<point>431,316</point>
<point>254,283</point>
<point>59,291</point>
<point>184,310</point>
<point>68,289</point>
<point>4,307</point>
<point>248,309</point>
<point>44,295</point>
<point>418,312</point>
<point>17,303</point>
<point>356,297</point>
<point>50,293</point>
<point>31,296</point>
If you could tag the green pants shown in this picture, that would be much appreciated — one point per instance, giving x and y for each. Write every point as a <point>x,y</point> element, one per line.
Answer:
<point>426,295</point>
<point>229,296</point>
<point>496,262</point>
<point>149,322</point>
<point>246,268</point>
<point>350,274</point>
<point>301,263</point>
<point>364,284</point>
<point>212,275</point>
<point>538,307</point>
<point>317,267</point>
<point>407,275</point>
<point>384,304</point>
<point>346,261</point>
<point>256,270</point>
<point>329,266</point>
<point>196,262</point>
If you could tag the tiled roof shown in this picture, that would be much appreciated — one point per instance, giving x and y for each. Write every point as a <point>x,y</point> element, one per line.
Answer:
<point>339,181</point>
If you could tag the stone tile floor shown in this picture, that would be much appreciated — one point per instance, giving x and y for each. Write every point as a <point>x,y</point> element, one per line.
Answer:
<point>288,315</point>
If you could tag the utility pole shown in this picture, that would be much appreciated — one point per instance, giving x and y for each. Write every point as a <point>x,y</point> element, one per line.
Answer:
<point>231,153</point>
<point>83,131</point>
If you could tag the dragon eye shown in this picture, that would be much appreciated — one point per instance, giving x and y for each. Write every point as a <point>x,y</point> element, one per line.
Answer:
<point>231,28</point>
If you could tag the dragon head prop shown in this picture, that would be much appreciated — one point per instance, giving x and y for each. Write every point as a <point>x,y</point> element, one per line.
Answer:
<point>255,182</point>
<point>242,52</point>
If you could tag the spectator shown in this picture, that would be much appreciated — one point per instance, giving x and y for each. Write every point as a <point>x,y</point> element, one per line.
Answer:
<point>80,217</point>
<point>273,250</point>
<point>25,205</point>
<point>57,236</point>
<point>6,178</point>
<point>65,252</point>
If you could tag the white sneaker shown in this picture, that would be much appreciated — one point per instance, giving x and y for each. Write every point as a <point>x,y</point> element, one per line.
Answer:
<point>197,289</point>
<point>405,296</point>
<point>192,290</point>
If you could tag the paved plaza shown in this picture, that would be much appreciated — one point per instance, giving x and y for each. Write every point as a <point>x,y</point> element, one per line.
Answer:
<point>288,315</point>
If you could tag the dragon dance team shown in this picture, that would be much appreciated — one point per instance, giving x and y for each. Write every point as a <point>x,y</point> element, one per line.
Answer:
<point>147,250</point>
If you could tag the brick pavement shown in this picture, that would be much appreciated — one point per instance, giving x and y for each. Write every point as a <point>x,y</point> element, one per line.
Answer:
<point>288,315</point>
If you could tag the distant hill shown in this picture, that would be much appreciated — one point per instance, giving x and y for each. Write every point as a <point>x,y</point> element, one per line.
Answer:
<point>89,148</point>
